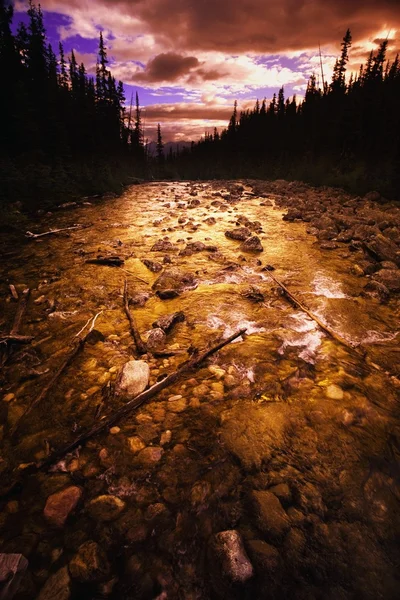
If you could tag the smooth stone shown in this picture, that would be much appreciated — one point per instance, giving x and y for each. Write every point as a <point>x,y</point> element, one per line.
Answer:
<point>156,340</point>
<point>115,430</point>
<point>166,437</point>
<point>8,397</point>
<point>61,504</point>
<point>133,378</point>
<point>265,558</point>
<point>136,444</point>
<point>252,244</point>
<point>150,456</point>
<point>228,561</point>
<point>105,508</point>
<point>282,492</point>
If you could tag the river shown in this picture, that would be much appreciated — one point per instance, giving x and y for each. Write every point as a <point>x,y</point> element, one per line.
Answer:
<point>286,437</point>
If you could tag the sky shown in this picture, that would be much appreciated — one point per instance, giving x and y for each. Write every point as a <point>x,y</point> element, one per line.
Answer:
<point>189,60</point>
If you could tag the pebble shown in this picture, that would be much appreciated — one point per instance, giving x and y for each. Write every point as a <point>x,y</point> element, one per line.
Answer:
<point>57,587</point>
<point>89,364</point>
<point>115,430</point>
<point>217,371</point>
<point>8,397</point>
<point>135,444</point>
<point>166,437</point>
<point>270,516</point>
<point>90,564</point>
<point>334,392</point>
<point>177,404</point>
<point>150,456</point>
<point>40,300</point>
<point>218,387</point>
<point>113,369</point>
<point>93,390</point>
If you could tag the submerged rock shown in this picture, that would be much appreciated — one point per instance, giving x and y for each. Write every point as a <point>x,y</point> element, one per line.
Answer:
<point>105,508</point>
<point>61,504</point>
<point>154,267</point>
<point>156,340</point>
<point>229,565</point>
<point>265,558</point>
<point>57,587</point>
<point>173,282</point>
<point>390,278</point>
<point>163,246</point>
<point>90,564</point>
<point>270,516</point>
<point>133,378</point>
<point>167,322</point>
<point>381,248</point>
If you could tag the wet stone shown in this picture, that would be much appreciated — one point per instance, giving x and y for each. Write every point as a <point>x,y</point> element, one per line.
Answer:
<point>241,234</point>
<point>105,508</point>
<point>150,456</point>
<point>229,564</point>
<point>390,278</point>
<point>57,587</point>
<point>156,340</point>
<point>252,244</point>
<point>136,444</point>
<point>154,267</point>
<point>61,504</point>
<point>90,564</point>
<point>334,392</point>
<point>266,559</point>
<point>132,379</point>
<point>167,322</point>
<point>282,492</point>
<point>270,517</point>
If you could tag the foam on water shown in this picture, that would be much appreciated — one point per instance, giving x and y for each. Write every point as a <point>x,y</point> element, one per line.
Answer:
<point>327,287</point>
<point>303,333</point>
<point>215,322</point>
<point>377,337</point>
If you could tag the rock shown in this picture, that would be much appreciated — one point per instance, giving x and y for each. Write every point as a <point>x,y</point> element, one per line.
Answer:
<point>292,214</point>
<point>57,587</point>
<point>309,499</point>
<point>90,564</point>
<point>105,508</point>
<point>166,437</point>
<point>240,234</point>
<point>176,404</point>
<point>136,444</point>
<point>334,392</point>
<point>254,433</point>
<point>377,290</point>
<point>381,248</point>
<point>150,456</point>
<point>132,379</point>
<point>61,504</point>
<point>229,564</point>
<point>163,246</point>
<point>252,244</point>
<point>282,492</point>
<point>139,299</point>
<point>373,197</point>
<point>12,569</point>
<point>210,221</point>
<point>156,340</point>
<point>154,267</point>
<point>390,278</point>
<point>328,246</point>
<point>167,322</point>
<point>270,516</point>
<point>173,280</point>
<point>265,558</point>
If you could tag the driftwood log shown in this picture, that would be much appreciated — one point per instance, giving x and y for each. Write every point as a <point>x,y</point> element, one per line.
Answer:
<point>76,348</point>
<point>140,345</point>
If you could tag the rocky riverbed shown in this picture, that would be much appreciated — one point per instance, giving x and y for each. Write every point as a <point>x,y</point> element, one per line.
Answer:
<point>272,471</point>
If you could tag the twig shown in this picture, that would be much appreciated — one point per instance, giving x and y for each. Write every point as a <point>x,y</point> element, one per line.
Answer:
<point>18,339</point>
<point>140,345</point>
<point>135,276</point>
<point>34,236</point>
<point>77,346</point>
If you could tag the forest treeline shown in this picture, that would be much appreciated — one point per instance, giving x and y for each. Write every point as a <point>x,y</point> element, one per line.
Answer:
<point>65,133</point>
<point>62,132</point>
<point>345,132</point>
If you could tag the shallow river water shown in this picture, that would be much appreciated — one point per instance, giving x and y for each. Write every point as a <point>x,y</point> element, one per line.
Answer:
<point>286,438</point>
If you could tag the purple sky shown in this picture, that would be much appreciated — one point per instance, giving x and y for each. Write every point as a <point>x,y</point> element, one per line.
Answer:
<point>189,61</point>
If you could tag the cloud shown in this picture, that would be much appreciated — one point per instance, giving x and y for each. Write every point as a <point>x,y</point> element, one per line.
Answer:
<point>167,66</point>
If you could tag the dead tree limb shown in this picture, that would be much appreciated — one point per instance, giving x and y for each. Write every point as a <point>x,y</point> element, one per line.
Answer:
<point>23,303</point>
<point>34,236</point>
<point>76,348</point>
<point>17,339</point>
<point>312,316</point>
<point>140,345</point>
<point>138,401</point>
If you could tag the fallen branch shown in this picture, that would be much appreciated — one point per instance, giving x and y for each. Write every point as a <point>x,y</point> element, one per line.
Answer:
<point>304,308</point>
<point>137,401</point>
<point>140,345</point>
<point>23,303</point>
<point>34,236</point>
<point>77,347</point>
<point>17,339</point>
<point>109,261</point>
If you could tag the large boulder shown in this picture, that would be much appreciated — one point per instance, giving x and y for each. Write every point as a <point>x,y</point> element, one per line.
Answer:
<point>61,504</point>
<point>252,244</point>
<point>133,378</point>
<point>381,248</point>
